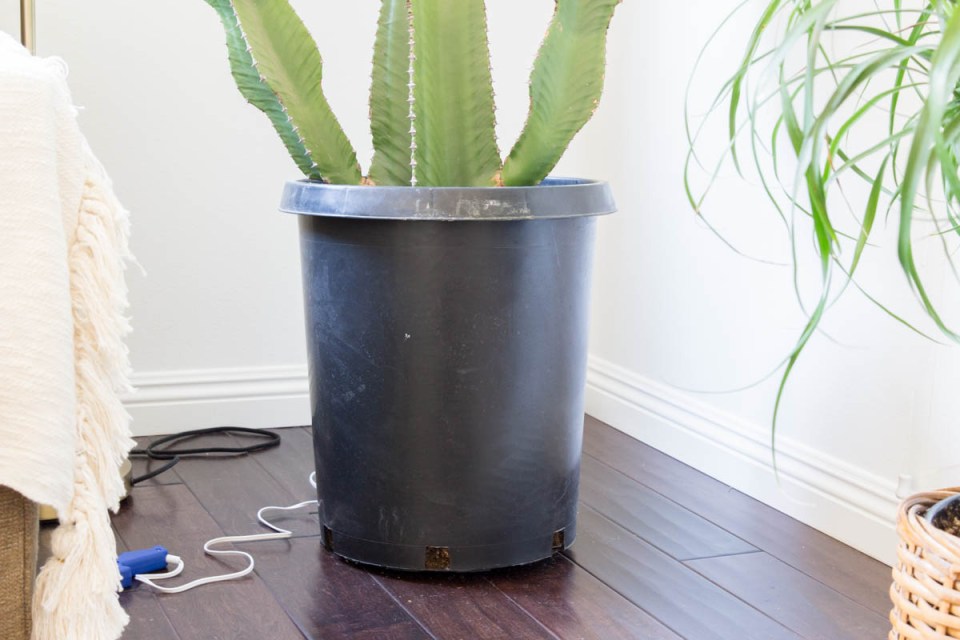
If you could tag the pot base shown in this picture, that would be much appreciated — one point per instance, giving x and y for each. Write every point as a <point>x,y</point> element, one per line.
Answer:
<point>460,559</point>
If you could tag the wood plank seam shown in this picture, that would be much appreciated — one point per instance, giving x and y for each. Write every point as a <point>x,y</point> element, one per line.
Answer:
<point>277,596</point>
<point>626,597</point>
<point>808,626</point>
<point>820,564</point>
<point>165,615</point>
<point>403,606</point>
<point>668,499</point>
<point>679,506</point>
<point>733,595</point>
<point>720,555</point>
<point>516,604</point>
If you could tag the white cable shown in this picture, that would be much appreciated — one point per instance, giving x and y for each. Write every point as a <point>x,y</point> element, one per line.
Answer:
<point>148,578</point>
<point>171,559</point>
<point>293,507</point>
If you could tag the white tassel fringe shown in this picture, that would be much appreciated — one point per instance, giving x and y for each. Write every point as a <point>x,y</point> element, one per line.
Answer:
<point>76,591</point>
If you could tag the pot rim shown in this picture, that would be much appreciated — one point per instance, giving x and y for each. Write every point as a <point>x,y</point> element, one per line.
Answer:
<point>552,198</point>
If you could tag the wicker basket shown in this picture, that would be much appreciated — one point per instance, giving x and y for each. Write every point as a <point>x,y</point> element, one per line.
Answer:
<point>926,599</point>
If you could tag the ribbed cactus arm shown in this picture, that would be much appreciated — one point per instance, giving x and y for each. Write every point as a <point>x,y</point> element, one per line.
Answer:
<point>256,90</point>
<point>389,93</point>
<point>453,95</point>
<point>287,59</point>
<point>565,88</point>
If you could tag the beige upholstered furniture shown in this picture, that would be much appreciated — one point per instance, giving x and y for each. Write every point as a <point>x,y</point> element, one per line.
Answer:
<point>18,563</point>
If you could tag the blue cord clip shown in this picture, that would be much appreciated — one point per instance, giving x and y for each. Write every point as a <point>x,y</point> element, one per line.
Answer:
<point>132,563</point>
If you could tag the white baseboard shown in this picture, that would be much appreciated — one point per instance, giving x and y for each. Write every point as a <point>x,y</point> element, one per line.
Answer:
<point>172,401</point>
<point>843,501</point>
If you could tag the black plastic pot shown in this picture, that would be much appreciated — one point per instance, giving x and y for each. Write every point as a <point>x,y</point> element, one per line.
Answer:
<point>447,337</point>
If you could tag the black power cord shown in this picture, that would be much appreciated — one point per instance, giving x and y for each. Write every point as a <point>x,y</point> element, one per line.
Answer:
<point>161,449</point>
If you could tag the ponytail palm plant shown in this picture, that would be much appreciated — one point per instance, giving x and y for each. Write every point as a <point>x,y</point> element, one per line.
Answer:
<point>431,97</point>
<point>839,97</point>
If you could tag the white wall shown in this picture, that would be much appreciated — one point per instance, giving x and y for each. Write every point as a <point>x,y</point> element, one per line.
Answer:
<point>218,328</point>
<point>675,309</point>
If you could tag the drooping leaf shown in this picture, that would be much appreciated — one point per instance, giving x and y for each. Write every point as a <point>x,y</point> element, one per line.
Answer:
<point>927,151</point>
<point>736,82</point>
<point>792,52</point>
<point>288,60</point>
<point>389,109</point>
<point>257,92</point>
<point>565,88</point>
<point>453,95</point>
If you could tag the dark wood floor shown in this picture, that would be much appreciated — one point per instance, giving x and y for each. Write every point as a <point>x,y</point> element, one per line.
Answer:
<point>663,552</point>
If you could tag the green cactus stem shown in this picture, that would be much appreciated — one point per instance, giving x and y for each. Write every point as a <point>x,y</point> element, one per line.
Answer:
<point>257,92</point>
<point>389,108</point>
<point>287,59</point>
<point>565,88</point>
<point>453,95</point>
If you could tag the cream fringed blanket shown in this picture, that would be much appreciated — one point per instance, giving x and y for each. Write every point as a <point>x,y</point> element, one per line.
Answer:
<point>63,431</point>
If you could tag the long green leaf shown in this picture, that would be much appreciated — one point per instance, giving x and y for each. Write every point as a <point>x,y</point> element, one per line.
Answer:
<point>565,88</point>
<point>825,237</point>
<point>287,59</point>
<point>869,216</point>
<point>874,31</point>
<point>925,151</point>
<point>257,92</point>
<point>456,142</point>
<point>389,93</point>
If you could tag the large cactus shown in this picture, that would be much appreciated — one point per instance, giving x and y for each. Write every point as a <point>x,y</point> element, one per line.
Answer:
<point>431,98</point>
